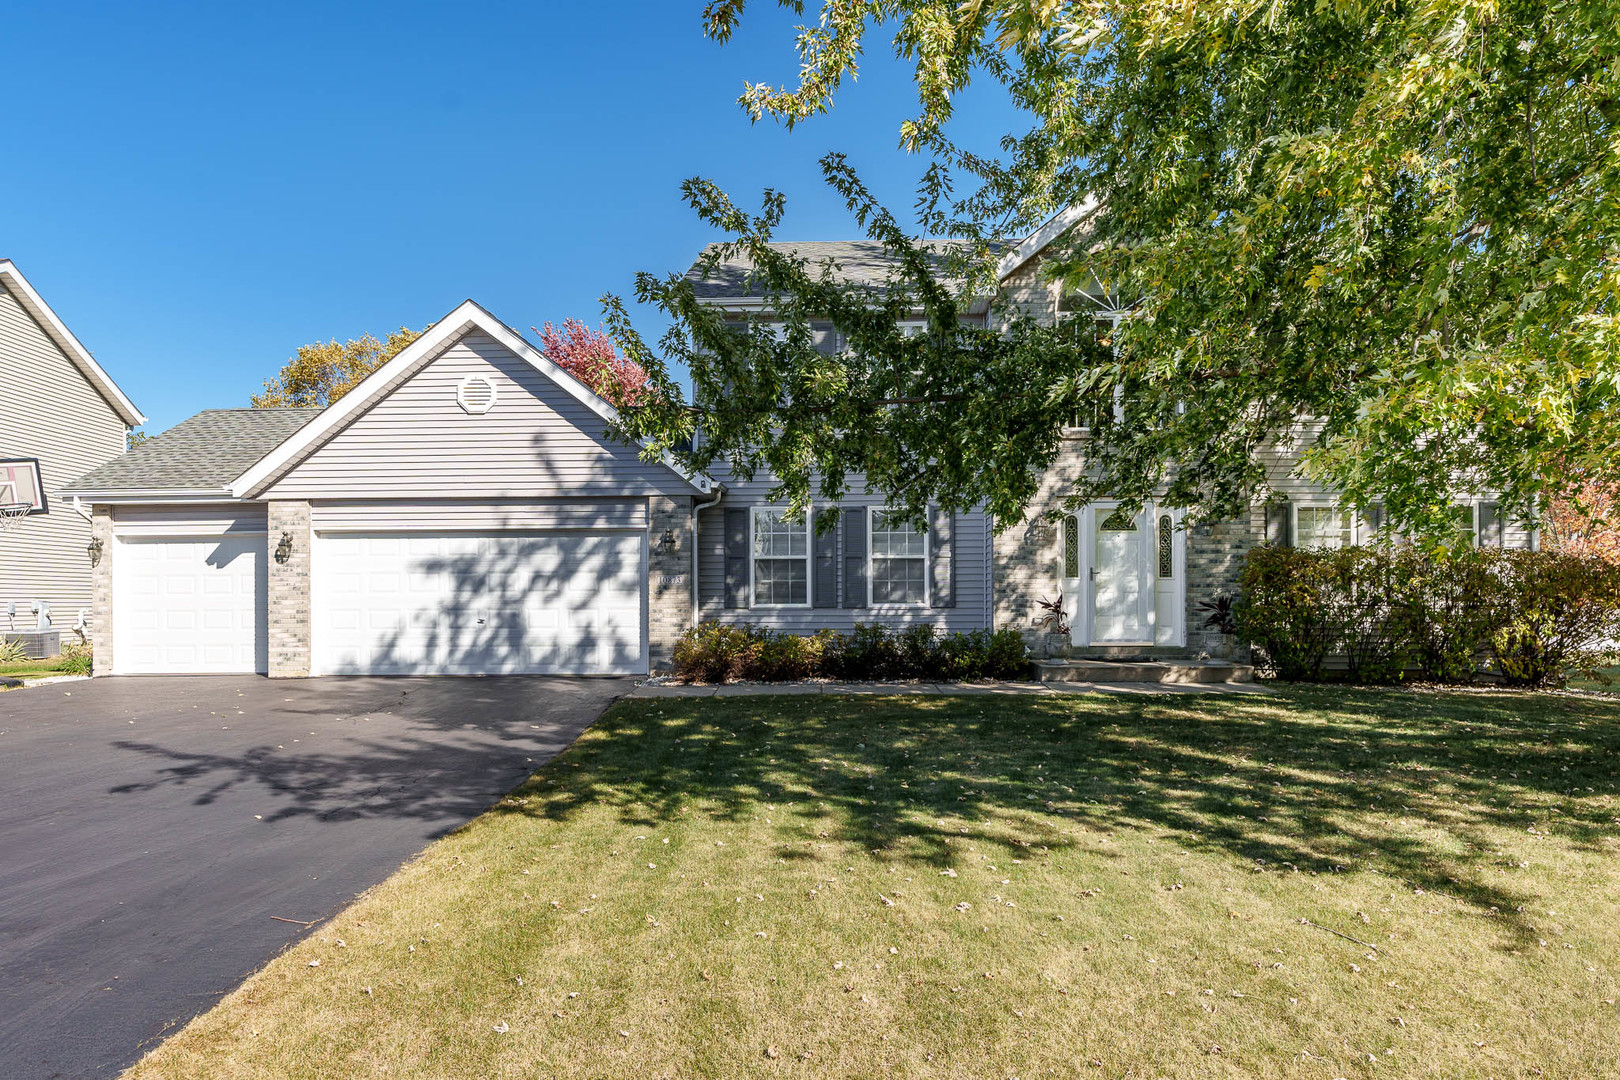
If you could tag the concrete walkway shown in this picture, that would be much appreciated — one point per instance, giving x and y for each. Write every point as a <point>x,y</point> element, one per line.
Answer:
<point>1006,688</point>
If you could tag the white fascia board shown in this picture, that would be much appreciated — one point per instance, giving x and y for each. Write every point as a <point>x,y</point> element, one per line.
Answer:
<point>467,316</point>
<point>1036,241</point>
<point>70,345</point>
<point>153,495</point>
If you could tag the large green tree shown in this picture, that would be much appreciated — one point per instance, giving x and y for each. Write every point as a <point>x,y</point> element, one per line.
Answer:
<point>1382,231</point>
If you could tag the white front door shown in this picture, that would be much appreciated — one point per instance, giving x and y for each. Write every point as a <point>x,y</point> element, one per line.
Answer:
<point>1121,595</point>
<point>478,604</point>
<point>191,605</point>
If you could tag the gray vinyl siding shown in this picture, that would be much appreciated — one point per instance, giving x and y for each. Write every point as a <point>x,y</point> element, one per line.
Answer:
<point>1281,461</point>
<point>417,443</point>
<point>189,519</point>
<point>971,612</point>
<point>49,411</point>
<point>471,515</point>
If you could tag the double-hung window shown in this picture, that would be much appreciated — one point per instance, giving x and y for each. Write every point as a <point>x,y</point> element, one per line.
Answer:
<point>1323,527</point>
<point>1467,528</point>
<point>899,561</point>
<point>781,559</point>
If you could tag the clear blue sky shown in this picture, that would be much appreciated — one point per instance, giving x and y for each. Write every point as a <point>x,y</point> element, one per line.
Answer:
<point>199,189</point>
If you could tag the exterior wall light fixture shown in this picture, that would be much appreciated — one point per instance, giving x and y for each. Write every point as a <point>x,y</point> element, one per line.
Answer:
<point>94,551</point>
<point>284,549</point>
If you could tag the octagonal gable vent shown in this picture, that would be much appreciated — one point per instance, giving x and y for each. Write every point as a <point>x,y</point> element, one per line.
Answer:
<point>476,394</point>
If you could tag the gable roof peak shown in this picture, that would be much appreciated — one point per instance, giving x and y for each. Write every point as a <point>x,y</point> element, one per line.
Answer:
<point>79,356</point>
<point>467,316</point>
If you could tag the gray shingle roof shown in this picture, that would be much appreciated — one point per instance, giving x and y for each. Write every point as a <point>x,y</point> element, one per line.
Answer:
<point>864,262</point>
<point>204,453</point>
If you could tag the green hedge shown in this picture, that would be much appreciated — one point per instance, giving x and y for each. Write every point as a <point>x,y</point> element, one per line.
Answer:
<point>716,653</point>
<point>1535,617</point>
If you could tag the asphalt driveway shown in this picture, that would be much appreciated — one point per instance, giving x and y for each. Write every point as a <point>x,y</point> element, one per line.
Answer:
<point>154,832</point>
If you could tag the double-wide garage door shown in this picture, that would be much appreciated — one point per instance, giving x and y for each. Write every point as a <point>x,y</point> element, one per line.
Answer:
<point>489,603</point>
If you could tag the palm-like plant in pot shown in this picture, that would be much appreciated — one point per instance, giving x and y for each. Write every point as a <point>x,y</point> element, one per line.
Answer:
<point>1221,617</point>
<point>1056,621</point>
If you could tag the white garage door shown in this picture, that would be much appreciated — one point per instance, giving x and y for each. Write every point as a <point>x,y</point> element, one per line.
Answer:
<point>190,605</point>
<point>484,604</point>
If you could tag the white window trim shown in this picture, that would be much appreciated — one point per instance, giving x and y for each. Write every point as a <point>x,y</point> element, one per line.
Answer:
<point>1112,316</point>
<point>1473,520</point>
<point>927,601</point>
<point>809,558</point>
<point>1295,506</point>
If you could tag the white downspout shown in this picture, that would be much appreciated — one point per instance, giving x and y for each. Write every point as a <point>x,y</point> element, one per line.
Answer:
<point>697,596</point>
<point>78,508</point>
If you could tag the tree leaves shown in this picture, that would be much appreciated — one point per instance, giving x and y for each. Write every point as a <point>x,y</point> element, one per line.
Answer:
<point>1378,239</point>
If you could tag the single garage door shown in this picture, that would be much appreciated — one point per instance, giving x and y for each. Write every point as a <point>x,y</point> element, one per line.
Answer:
<point>190,605</point>
<point>478,604</point>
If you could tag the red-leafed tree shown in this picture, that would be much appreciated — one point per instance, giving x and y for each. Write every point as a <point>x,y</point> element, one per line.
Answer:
<point>589,356</point>
<point>1587,524</point>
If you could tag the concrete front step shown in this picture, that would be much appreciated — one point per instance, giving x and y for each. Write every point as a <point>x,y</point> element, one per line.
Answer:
<point>1143,671</point>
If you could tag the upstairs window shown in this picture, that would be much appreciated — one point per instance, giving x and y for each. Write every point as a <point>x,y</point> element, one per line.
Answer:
<point>781,559</point>
<point>899,562</point>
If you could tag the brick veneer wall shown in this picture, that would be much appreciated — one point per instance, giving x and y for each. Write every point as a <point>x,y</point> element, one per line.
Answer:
<point>1028,554</point>
<point>669,585</point>
<point>1215,554</point>
<point>289,590</point>
<point>101,592</point>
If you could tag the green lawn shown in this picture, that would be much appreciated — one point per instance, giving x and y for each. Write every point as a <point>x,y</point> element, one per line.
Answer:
<point>1611,687</point>
<point>32,669</point>
<point>1322,883</point>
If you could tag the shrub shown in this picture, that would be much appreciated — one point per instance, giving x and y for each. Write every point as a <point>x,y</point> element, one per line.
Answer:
<point>716,653</point>
<point>11,651</point>
<point>1445,610</point>
<point>918,653</point>
<point>1538,615</point>
<point>1367,602</point>
<point>1287,608</point>
<point>1554,615</point>
<point>868,651</point>
<point>76,660</point>
<point>712,652</point>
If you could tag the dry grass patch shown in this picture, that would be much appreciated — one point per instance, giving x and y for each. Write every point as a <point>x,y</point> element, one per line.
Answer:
<point>1325,883</point>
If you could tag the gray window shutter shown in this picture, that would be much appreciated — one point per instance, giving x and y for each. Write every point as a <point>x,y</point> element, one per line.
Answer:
<point>825,570</point>
<point>736,556</point>
<point>942,553</point>
<point>1490,524</point>
<point>1279,525</point>
<point>1374,519</point>
<point>854,556</point>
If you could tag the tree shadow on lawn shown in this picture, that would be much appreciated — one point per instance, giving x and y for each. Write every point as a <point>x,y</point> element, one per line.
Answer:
<point>1325,780</point>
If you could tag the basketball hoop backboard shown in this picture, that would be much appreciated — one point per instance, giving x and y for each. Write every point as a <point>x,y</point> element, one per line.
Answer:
<point>21,486</point>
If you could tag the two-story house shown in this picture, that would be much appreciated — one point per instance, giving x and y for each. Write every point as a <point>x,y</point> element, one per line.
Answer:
<point>60,415</point>
<point>465,509</point>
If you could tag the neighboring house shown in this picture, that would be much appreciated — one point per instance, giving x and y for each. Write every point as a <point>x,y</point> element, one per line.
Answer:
<point>1129,586</point>
<point>60,414</point>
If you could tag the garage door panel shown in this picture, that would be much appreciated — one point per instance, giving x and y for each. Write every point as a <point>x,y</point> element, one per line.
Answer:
<point>559,603</point>
<point>191,605</point>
